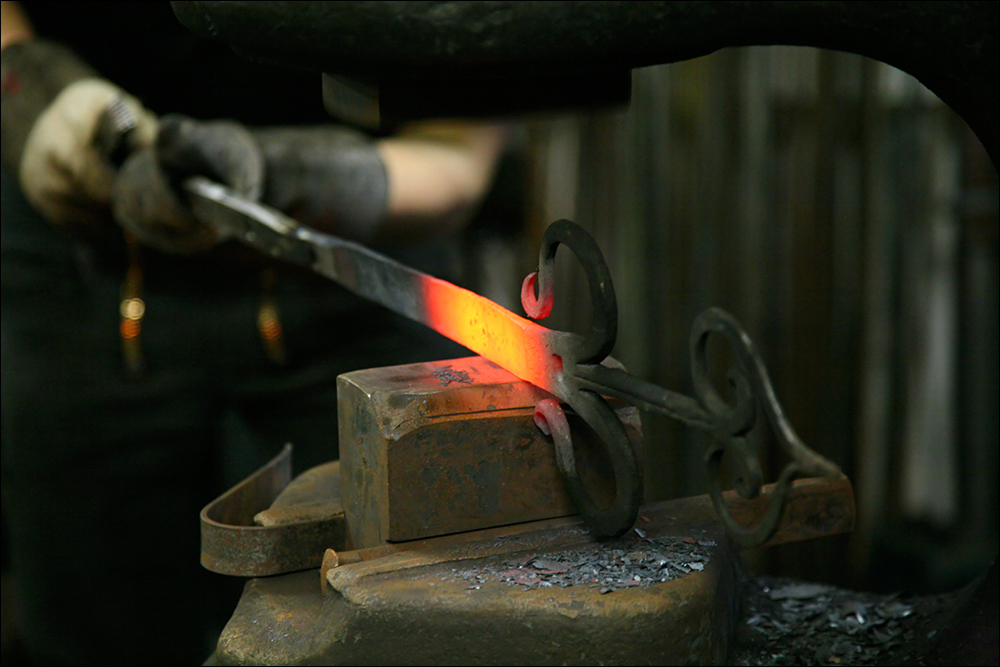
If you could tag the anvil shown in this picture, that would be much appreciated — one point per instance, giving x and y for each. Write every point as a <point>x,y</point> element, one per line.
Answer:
<point>446,527</point>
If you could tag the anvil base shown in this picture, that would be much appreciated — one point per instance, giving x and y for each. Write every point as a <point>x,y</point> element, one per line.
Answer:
<point>515,591</point>
<point>539,592</point>
<point>501,597</point>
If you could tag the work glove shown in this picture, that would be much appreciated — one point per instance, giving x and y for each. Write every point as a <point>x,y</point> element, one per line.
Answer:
<point>146,198</point>
<point>327,177</point>
<point>53,109</point>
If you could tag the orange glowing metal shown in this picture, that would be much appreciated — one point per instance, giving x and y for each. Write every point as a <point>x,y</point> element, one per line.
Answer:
<point>493,332</point>
<point>529,351</point>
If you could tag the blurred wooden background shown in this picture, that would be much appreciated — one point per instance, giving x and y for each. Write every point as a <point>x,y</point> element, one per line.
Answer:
<point>848,219</point>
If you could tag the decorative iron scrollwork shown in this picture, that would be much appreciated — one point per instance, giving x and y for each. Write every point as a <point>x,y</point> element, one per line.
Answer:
<point>728,423</point>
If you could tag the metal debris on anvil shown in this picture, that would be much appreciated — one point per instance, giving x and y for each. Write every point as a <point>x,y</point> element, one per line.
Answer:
<point>796,623</point>
<point>625,562</point>
<point>447,375</point>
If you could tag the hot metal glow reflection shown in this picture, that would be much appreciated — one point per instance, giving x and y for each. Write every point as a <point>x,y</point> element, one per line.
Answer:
<point>491,331</point>
<point>564,364</point>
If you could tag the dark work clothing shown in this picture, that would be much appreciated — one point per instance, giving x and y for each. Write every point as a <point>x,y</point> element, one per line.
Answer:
<point>103,475</point>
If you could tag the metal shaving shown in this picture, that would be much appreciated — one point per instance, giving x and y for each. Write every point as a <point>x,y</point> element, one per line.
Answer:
<point>787,622</point>
<point>627,562</point>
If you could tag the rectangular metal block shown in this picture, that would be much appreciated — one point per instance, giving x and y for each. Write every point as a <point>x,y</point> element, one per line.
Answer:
<point>451,446</point>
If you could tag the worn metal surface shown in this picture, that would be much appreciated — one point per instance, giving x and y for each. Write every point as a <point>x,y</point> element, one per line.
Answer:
<point>535,593</point>
<point>419,607</point>
<point>451,446</point>
<point>235,543</point>
<point>815,507</point>
<point>243,535</point>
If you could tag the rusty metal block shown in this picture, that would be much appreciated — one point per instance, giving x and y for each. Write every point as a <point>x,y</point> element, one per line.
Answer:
<point>443,447</point>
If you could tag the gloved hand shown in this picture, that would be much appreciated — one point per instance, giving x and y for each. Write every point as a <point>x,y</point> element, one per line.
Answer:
<point>52,108</point>
<point>328,177</point>
<point>146,200</point>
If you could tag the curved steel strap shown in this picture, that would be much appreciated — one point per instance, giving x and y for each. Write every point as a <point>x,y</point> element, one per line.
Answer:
<point>603,328</point>
<point>591,407</point>
<point>732,422</point>
<point>621,514</point>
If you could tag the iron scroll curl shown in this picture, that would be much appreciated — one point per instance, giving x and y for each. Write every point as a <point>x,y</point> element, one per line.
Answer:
<point>731,423</point>
<point>572,351</point>
<point>585,381</point>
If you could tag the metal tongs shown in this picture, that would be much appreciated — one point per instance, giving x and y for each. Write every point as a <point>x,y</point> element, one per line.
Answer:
<point>567,365</point>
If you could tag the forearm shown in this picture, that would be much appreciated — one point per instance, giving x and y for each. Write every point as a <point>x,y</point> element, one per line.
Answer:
<point>426,181</point>
<point>438,173</point>
<point>14,24</point>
